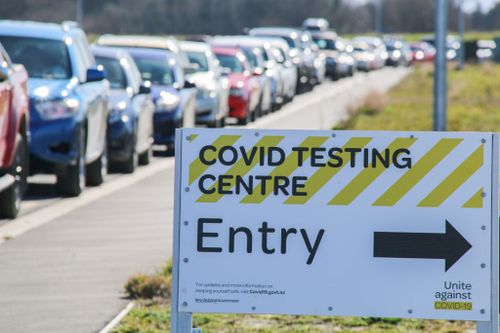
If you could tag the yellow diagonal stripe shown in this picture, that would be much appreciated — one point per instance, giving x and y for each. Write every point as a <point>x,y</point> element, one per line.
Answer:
<point>359,183</point>
<point>241,169</point>
<point>418,171</point>
<point>455,179</point>
<point>196,168</point>
<point>285,169</point>
<point>476,201</point>
<point>323,175</point>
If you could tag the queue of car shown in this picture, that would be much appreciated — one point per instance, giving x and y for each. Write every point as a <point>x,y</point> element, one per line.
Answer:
<point>78,111</point>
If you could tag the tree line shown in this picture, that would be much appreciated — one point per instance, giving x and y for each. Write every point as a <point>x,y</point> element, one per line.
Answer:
<point>233,16</point>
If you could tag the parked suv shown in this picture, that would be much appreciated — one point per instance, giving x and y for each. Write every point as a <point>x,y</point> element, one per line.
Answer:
<point>68,101</point>
<point>13,135</point>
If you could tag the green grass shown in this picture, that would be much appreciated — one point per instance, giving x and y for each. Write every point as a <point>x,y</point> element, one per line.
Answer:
<point>154,317</point>
<point>473,102</point>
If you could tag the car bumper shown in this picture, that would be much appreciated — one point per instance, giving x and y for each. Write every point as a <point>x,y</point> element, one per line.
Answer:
<point>206,110</point>
<point>164,125</point>
<point>238,107</point>
<point>56,141</point>
<point>120,140</point>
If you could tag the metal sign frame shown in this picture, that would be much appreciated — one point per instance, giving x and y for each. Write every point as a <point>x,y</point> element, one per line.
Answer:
<point>181,322</point>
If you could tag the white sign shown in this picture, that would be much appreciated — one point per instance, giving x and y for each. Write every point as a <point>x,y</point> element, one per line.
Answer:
<point>344,223</point>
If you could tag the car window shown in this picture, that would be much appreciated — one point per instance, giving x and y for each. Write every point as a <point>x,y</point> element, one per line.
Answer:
<point>114,72</point>
<point>252,59</point>
<point>42,58</point>
<point>231,62</point>
<point>155,70</point>
<point>4,57</point>
<point>134,74</point>
<point>200,59</point>
<point>324,44</point>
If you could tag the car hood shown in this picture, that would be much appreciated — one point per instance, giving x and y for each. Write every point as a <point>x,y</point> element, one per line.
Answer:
<point>203,80</point>
<point>157,90</point>
<point>116,97</point>
<point>330,53</point>
<point>50,89</point>
<point>234,78</point>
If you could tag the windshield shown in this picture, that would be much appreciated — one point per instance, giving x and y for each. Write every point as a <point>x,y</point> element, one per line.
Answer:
<point>252,58</point>
<point>231,62</point>
<point>114,72</point>
<point>324,44</point>
<point>43,58</point>
<point>155,70</point>
<point>200,59</point>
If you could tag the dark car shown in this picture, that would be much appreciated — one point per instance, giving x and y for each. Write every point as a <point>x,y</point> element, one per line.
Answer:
<point>14,135</point>
<point>68,101</point>
<point>339,63</point>
<point>398,52</point>
<point>130,122</point>
<point>173,96</point>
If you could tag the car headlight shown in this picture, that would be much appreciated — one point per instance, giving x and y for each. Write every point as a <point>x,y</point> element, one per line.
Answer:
<point>167,102</point>
<point>57,109</point>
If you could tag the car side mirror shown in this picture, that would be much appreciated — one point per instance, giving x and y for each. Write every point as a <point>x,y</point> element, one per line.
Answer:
<point>189,85</point>
<point>143,89</point>
<point>258,71</point>
<point>94,75</point>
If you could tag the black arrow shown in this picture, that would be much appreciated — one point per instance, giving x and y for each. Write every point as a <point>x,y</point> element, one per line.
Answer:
<point>450,246</point>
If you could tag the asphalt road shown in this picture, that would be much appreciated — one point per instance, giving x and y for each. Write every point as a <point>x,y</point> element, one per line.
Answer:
<point>64,261</point>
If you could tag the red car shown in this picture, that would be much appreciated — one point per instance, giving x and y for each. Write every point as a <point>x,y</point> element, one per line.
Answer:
<point>244,87</point>
<point>14,122</point>
<point>422,52</point>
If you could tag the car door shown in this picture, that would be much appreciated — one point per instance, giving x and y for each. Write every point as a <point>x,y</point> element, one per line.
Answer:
<point>95,95</point>
<point>142,105</point>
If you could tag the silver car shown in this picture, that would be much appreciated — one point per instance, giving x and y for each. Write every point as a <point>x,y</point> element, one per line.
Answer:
<point>213,87</point>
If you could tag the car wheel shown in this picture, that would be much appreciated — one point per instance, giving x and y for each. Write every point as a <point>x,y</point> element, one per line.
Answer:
<point>145,157</point>
<point>97,170</point>
<point>132,161</point>
<point>72,182</point>
<point>10,198</point>
<point>247,119</point>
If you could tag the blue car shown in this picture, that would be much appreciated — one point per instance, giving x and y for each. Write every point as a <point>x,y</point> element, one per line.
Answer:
<point>174,97</point>
<point>130,122</point>
<point>68,99</point>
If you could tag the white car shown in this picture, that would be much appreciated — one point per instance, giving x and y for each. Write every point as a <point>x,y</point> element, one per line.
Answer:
<point>213,87</point>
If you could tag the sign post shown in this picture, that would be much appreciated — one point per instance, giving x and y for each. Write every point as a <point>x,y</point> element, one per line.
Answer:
<point>344,223</point>
<point>440,86</point>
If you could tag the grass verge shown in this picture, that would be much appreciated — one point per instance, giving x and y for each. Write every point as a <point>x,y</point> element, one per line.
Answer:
<point>473,102</point>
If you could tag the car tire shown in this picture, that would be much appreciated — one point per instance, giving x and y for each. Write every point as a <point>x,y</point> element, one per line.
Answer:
<point>247,119</point>
<point>129,165</point>
<point>97,170</point>
<point>10,198</point>
<point>145,157</point>
<point>72,182</point>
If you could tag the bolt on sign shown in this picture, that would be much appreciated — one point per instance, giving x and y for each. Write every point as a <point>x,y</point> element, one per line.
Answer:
<point>344,223</point>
